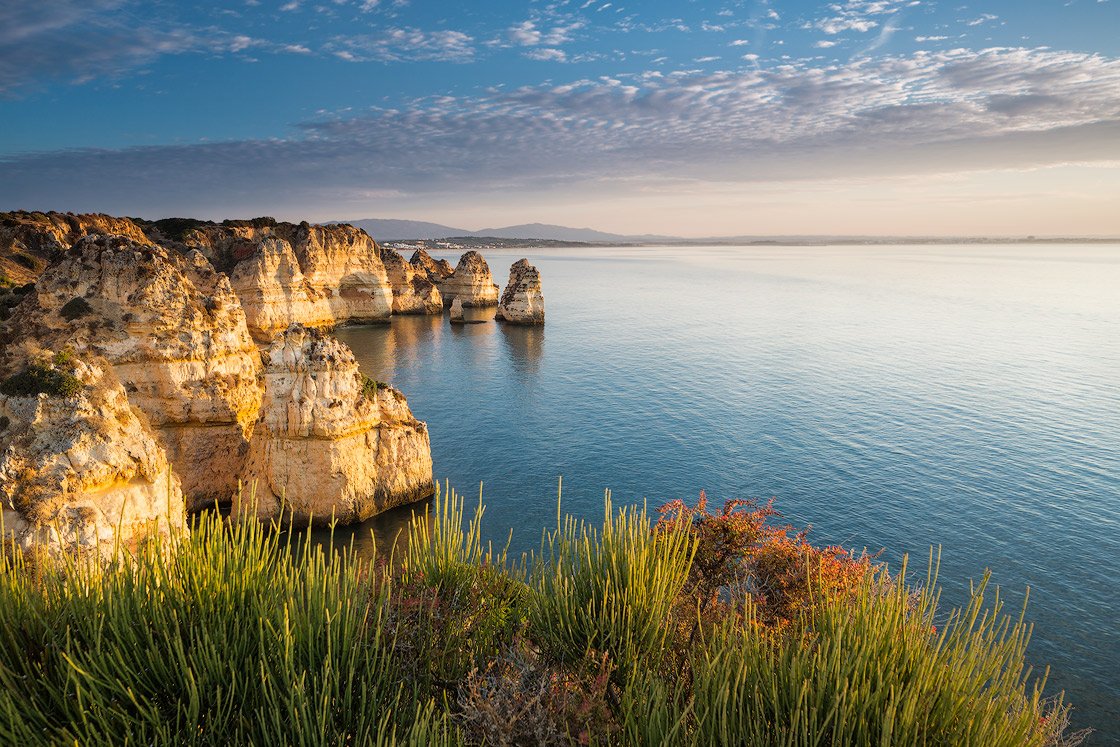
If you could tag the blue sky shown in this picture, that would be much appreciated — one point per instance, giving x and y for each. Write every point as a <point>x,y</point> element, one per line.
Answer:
<point>742,116</point>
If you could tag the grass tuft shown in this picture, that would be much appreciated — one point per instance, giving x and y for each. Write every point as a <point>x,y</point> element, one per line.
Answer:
<point>239,634</point>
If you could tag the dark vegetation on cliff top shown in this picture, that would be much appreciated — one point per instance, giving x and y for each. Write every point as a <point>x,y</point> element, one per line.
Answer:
<point>43,378</point>
<point>698,628</point>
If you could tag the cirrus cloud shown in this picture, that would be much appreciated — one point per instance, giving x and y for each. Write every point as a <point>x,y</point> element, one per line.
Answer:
<point>928,112</point>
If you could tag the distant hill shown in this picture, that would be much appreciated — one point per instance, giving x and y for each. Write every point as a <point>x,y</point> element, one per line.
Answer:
<point>389,229</point>
<point>554,233</point>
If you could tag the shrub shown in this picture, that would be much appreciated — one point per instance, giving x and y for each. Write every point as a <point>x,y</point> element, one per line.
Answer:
<point>177,229</point>
<point>875,670</point>
<point>370,387</point>
<point>233,635</point>
<point>25,260</point>
<point>75,308</point>
<point>739,553</point>
<point>39,379</point>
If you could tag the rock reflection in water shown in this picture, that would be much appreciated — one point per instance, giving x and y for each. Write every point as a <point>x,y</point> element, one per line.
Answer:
<point>524,344</point>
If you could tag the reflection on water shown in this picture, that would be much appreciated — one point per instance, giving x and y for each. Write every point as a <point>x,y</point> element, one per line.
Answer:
<point>523,345</point>
<point>896,397</point>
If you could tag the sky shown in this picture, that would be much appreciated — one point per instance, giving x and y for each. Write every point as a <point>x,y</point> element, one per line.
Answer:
<point>692,118</point>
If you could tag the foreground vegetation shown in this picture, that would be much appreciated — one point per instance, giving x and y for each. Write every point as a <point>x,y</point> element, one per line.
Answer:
<point>694,627</point>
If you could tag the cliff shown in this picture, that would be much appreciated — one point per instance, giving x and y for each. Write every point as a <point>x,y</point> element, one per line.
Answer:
<point>183,386</point>
<point>523,300</point>
<point>330,443</point>
<point>471,282</point>
<point>79,469</point>
<point>30,241</point>
<point>413,292</point>
<point>175,335</point>
<point>284,273</point>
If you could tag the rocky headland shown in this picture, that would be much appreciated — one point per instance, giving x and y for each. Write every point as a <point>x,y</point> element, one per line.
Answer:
<point>151,368</point>
<point>330,444</point>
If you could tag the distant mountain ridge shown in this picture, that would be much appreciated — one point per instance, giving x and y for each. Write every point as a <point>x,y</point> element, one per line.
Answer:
<point>389,229</point>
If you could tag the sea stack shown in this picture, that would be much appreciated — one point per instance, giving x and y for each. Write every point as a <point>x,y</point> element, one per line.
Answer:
<point>522,301</point>
<point>413,292</point>
<point>471,282</point>
<point>457,311</point>
<point>436,270</point>
<point>330,443</point>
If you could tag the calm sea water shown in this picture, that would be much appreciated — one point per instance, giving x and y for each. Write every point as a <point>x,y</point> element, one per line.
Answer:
<point>897,397</point>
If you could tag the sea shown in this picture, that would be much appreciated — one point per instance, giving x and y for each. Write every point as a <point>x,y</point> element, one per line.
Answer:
<point>960,399</point>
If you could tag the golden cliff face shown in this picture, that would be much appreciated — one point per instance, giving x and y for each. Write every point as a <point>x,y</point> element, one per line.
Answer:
<point>30,241</point>
<point>174,333</point>
<point>318,276</point>
<point>413,292</point>
<point>171,394</point>
<point>79,468</point>
<point>330,444</point>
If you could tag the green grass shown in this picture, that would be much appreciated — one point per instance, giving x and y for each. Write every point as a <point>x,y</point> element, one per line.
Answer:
<point>237,634</point>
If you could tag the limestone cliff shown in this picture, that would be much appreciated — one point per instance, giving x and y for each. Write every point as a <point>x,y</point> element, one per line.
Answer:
<point>413,292</point>
<point>329,443</point>
<point>79,469</point>
<point>175,335</point>
<point>471,282</point>
<point>523,300</point>
<point>285,273</point>
<point>173,375</point>
<point>30,241</point>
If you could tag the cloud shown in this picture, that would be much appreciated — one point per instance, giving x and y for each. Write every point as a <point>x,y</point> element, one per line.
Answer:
<point>858,15</point>
<point>547,54</point>
<point>927,112</point>
<point>526,34</point>
<point>78,40</point>
<point>404,45</point>
<point>982,19</point>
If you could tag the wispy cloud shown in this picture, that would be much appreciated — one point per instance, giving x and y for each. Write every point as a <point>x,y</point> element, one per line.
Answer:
<point>858,15</point>
<point>404,44</point>
<point>926,112</point>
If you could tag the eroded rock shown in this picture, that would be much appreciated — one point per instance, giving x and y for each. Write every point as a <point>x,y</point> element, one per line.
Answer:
<point>471,282</point>
<point>79,468</point>
<point>284,273</point>
<point>413,292</point>
<point>330,443</point>
<point>523,300</point>
<point>174,333</point>
<point>435,270</point>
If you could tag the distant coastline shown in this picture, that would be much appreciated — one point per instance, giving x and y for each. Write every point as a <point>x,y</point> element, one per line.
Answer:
<point>459,243</point>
